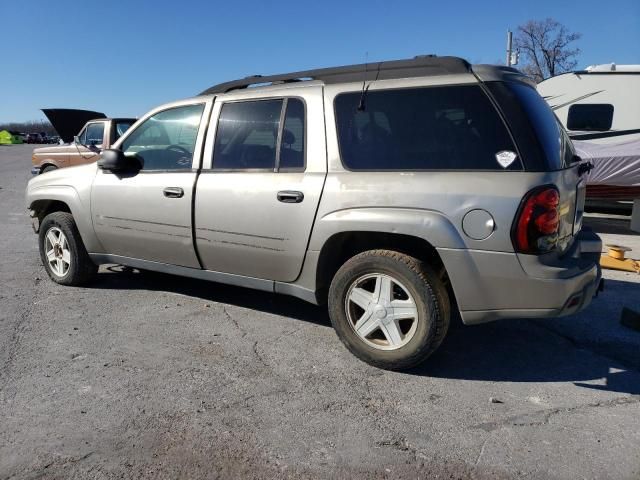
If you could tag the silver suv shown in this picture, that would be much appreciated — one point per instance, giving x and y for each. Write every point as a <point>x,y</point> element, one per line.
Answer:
<point>398,192</point>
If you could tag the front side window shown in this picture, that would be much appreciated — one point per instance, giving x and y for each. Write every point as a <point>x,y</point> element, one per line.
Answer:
<point>445,128</point>
<point>82,136</point>
<point>596,117</point>
<point>250,132</point>
<point>121,127</point>
<point>166,140</point>
<point>95,134</point>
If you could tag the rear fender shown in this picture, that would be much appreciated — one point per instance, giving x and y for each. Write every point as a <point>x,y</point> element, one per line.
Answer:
<point>429,225</point>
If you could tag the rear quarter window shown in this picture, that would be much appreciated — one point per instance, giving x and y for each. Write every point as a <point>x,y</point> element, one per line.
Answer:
<point>428,128</point>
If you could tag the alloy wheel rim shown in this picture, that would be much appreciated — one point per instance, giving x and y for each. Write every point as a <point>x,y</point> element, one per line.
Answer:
<point>57,252</point>
<point>381,311</point>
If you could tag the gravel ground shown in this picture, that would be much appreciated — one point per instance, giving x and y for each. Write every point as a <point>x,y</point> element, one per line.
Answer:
<point>149,375</point>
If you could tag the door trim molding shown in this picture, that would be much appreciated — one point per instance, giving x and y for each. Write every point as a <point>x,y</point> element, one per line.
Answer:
<point>209,275</point>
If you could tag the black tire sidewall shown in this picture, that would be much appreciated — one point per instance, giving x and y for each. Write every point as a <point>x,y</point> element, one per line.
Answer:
<point>428,302</point>
<point>64,221</point>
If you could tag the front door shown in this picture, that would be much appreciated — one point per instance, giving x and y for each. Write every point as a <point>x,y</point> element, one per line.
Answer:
<point>256,205</point>
<point>147,214</point>
<point>90,141</point>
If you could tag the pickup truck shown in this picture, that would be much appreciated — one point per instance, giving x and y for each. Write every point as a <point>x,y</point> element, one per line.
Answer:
<point>399,194</point>
<point>85,134</point>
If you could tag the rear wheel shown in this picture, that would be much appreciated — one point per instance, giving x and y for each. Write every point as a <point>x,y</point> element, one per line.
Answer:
<point>389,309</point>
<point>63,254</point>
<point>48,168</point>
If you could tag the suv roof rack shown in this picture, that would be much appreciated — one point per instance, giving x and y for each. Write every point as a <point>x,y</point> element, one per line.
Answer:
<point>420,66</point>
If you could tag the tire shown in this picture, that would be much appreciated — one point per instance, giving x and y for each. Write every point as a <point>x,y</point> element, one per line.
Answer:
<point>413,290</point>
<point>48,168</point>
<point>64,257</point>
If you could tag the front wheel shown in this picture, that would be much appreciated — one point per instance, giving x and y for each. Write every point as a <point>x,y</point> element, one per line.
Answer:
<point>63,254</point>
<point>389,309</point>
<point>48,168</point>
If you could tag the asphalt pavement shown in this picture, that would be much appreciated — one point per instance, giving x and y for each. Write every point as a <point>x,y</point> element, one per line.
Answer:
<point>144,375</point>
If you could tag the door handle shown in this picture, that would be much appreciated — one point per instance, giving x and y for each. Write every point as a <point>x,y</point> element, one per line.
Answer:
<point>289,196</point>
<point>173,192</point>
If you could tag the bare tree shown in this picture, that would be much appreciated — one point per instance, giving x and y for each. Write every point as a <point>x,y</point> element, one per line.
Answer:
<point>33,126</point>
<point>546,47</point>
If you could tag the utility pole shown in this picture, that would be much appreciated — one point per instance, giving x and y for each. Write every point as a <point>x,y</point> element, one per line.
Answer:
<point>509,46</point>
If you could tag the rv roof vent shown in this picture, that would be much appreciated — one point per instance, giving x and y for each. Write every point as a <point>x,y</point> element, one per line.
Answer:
<point>612,67</point>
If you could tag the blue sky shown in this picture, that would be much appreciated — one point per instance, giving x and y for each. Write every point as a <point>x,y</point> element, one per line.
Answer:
<point>125,57</point>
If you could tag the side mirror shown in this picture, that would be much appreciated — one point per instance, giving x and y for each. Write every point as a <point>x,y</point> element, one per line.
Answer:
<point>116,161</point>
<point>76,140</point>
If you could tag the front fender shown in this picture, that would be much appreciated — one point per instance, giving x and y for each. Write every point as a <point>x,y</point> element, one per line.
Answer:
<point>52,187</point>
<point>430,225</point>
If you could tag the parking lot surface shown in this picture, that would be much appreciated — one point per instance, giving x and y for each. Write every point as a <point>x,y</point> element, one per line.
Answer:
<point>150,375</point>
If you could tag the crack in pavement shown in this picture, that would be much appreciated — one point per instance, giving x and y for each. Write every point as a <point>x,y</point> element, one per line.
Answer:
<point>229,317</point>
<point>258,355</point>
<point>542,417</point>
<point>19,328</point>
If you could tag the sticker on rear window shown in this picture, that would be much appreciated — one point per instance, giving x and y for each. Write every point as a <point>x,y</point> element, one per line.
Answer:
<point>505,158</point>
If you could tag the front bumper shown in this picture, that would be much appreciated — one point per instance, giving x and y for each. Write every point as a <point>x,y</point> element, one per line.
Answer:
<point>494,285</point>
<point>35,170</point>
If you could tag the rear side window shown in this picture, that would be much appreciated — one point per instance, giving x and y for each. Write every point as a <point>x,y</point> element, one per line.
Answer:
<point>590,116</point>
<point>250,136</point>
<point>247,135</point>
<point>435,128</point>
<point>292,144</point>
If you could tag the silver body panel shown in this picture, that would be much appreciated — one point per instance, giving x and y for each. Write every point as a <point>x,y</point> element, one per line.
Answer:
<point>241,227</point>
<point>230,227</point>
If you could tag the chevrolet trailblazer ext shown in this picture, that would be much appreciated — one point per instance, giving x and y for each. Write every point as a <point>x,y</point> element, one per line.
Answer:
<point>396,192</point>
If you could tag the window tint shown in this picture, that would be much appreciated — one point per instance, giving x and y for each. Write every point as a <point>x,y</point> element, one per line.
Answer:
<point>95,134</point>
<point>166,140</point>
<point>422,128</point>
<point>121,127</point>
<point>543,121</point>
<point>292,144</point>
<point>247,134</point>
<point>590,116</point>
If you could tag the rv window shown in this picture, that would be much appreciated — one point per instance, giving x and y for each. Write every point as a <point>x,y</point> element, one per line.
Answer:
<point>590,116</point>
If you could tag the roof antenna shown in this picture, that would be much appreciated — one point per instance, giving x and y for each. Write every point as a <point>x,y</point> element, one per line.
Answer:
<point>364,80</point>
<point>363,95</point>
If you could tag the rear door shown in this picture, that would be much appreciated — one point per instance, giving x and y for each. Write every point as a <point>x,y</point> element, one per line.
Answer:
<point>257,196</point>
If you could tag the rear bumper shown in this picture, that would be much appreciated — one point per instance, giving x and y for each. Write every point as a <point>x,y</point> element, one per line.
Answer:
<point>35,170</point>
<point>494,285</point>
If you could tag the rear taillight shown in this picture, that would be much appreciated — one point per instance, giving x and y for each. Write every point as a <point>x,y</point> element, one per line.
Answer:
<point>535,229</point>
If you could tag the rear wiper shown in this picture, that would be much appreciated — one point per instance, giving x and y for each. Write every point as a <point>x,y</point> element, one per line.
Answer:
<point>584,167</point>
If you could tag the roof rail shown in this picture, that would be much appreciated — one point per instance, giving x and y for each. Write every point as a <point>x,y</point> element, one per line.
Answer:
<point>420,66</point>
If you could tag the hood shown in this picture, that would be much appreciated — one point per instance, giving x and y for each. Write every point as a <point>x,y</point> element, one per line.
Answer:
<point>69,121</point>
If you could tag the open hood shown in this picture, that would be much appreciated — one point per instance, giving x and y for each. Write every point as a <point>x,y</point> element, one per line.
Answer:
<point>69,121</point>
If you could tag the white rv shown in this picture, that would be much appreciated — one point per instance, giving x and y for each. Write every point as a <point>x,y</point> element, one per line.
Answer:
<point>600,108</point>
<point>600,103</point>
